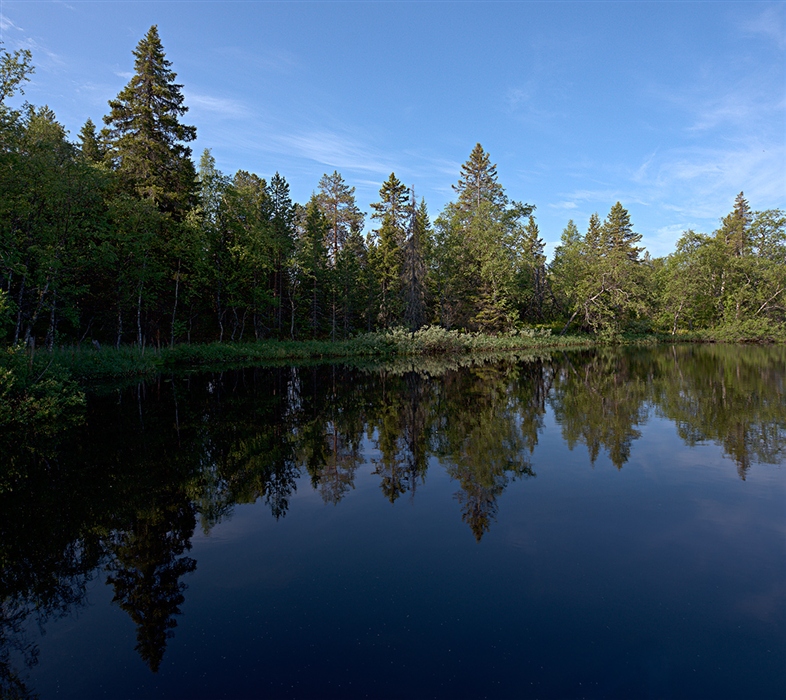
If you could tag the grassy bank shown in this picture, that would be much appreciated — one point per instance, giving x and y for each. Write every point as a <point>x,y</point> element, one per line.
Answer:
<point>46,389</point>
<point>88,363</point>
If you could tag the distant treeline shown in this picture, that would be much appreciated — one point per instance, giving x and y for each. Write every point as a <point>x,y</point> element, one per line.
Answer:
<point>121,239</point>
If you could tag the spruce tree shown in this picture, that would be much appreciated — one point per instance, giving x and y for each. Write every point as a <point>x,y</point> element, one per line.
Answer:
<point>565,267</point>
<point>145,134</point>
<point>618,234</point>
<point>310,264</point>
<point>734,227</point>
<point>282,225</point>
<point>387,256</point>
<point>90,145</point>
<point>535,283</point>
<point>478,182</point>
<point>413,276</point>
<point>480,241</point>
<point>610,291</point>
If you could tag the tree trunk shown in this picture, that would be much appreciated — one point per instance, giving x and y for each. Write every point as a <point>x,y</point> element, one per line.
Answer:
<point>676,316</point>
<point>50,334</point>
<point>39,306</point>
<point>139,316</point>
<point>174,308</point>
<point>19,310</point>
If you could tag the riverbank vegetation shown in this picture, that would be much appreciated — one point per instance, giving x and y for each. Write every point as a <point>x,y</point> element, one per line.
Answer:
<point>119,241</point>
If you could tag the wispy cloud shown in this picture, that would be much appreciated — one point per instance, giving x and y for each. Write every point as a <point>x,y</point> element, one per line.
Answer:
<point>564,205</point>
<point>664,238</point>
<point>24,41</point>
<point>528,103</point>
<point>222,106</point>
<point>38,49</point>
<point>333,150</point>
<point>744,107</point>
<point>6,24</point>
<point>258,61</point>
<point>599,195</point>
<point>642,172</point>
<point>770,23</point>
<point>711,176</point>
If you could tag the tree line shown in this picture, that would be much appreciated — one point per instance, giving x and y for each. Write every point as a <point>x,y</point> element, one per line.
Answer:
<point>121,238</point>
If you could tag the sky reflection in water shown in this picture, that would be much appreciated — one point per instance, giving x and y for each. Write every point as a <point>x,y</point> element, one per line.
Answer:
<point>596,524</point>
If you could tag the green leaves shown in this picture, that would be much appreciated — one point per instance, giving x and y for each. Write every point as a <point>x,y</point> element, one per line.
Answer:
<point>15,69</point>
<point>735,276</point>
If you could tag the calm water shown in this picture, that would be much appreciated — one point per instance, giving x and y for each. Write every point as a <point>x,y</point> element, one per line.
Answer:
<point>603,524</point>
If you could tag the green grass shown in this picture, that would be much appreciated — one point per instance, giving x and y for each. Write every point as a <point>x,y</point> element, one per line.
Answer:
<point>88,364</point>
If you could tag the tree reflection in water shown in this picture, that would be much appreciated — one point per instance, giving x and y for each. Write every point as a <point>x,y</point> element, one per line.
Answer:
<point>145,571</point>
<point>124,491</point>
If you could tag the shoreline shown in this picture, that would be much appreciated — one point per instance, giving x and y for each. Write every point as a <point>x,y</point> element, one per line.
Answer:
<point>87,363</point>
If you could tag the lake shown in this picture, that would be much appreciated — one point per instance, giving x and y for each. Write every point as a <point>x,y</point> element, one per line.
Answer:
<point>594,524</point>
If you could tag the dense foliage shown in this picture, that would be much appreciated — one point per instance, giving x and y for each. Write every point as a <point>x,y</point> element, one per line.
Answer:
<point>120,239</point>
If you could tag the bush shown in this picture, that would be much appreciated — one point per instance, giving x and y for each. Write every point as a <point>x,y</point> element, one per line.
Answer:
<point>37,396</point>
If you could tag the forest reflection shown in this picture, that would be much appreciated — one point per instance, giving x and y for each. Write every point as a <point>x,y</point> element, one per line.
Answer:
<point>124,492</point>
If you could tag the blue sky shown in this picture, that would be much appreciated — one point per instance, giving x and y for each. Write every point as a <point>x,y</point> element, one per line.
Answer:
<point>671,108</point>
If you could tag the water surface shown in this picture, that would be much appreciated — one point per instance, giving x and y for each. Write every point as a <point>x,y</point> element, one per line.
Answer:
<point>605,524</point>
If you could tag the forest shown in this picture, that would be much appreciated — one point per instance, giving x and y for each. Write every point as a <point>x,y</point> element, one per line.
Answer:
<point>121,239</point>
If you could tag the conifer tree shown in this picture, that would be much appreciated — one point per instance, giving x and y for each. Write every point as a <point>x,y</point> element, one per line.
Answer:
<point>311,264</point>
<point>480,237</point>
<point>282,228</point>
<point>734,226</point>
<point>413,276</point>
<point>617,233</point>
<point>534,282</point>
<point>90,145</point>
<point>336,199</point>
<point>565,266</point>
<point>337,202</point>
<point>387,255</point>
<point>146,136</point>
<point>610,291</point>
<point>352,281</point>
<point>478,182</point>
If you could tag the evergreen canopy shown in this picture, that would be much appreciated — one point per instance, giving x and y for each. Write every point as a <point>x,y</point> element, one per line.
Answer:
<point>145,133</point>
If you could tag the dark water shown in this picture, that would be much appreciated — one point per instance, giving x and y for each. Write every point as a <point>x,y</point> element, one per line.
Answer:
<point>603,524</point>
